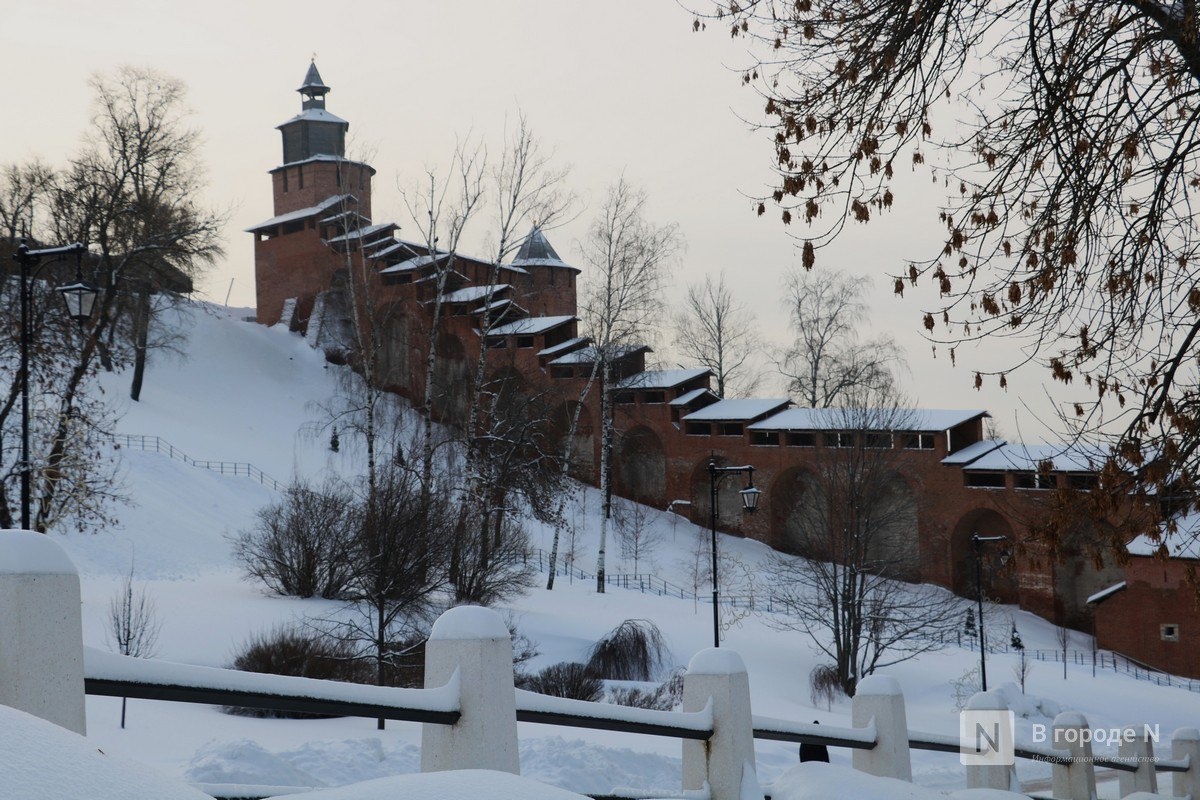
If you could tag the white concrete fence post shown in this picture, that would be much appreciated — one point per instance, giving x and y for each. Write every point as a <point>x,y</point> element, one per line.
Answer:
<point>992,776</point>
<point>878,698</point>
<point>1076,780</point>
<point>41,630</point>
<point>1137,746</point>
<point>474,643</point>
<point>726,761</point>
<point>1185,745</point>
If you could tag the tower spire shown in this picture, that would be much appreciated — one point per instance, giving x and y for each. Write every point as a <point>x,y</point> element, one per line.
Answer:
<point>313,89</point>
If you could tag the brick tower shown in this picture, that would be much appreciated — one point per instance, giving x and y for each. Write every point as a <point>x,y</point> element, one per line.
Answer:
<point>318,194</point>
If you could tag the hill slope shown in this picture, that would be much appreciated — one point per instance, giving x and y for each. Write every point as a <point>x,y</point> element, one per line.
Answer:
<point>251,394</point>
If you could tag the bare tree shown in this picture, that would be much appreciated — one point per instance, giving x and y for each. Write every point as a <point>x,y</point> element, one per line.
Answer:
<point>716,331</point>
<point>300,545</point>
<point>526,189</point>
<point>828,362</point>
<point>1062,635</point>
<point>1023,666</point>
<point>130,196</point>
<point>144,154</point>
<point>441,209</point>
<point>629,257</point>
<point>514,463</point>
<point>23,190</point>
<point>133,625</point>
<point>399,556</point>
<point>855,524</point>
<point>1067,222</point>
<point>636,533</point>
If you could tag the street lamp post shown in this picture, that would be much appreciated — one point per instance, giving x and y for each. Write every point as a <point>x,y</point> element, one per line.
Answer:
<point>978,542</point>
<point>80,298</point>
<point>750,497</point>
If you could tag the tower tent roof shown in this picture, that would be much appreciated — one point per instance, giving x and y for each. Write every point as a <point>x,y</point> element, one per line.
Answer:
<point>312,80</point>
<point>536,251</point>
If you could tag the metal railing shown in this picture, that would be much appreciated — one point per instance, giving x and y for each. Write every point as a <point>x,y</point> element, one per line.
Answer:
<point>652,584</point>
<point>155,444</point>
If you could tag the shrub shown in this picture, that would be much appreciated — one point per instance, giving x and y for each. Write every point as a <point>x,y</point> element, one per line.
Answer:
<point>293,651</point>
<point>667,696</point>
<point>824,684</point>
<point>633,651</point>
<point>493,562</point>
<point>299,545</point>
<point>565,679</point>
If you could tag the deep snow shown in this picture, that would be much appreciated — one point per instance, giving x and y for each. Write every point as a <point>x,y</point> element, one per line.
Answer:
<point>253,394</point>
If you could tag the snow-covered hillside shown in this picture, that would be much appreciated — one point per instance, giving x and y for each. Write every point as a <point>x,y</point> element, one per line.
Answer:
<point>246,393</point>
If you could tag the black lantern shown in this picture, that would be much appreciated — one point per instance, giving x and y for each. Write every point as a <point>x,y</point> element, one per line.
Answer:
<point>80,297</point>
<point>750,497</point>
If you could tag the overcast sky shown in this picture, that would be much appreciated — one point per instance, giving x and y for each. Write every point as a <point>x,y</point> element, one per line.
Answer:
<point>618,87</point>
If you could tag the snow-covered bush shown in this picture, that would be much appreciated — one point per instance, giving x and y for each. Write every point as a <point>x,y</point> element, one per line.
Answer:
<point>824,685</point>
<point>666,696</point>
<point>566,679</point>
<point>299,545</point>
<point>290,650</point>
<point>633,651</point>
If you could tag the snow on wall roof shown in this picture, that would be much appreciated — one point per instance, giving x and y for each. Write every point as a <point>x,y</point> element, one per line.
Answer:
<point>1183,542</point>
<point>578,341</point>
<point>531,325</point>
<point>1062,458</point>
<point>326,157</point>
<point>693,395</point>
<point>362,233</point>
<point>394,247</point>
<point>314,115</point>
<point>469,294</point>
<point>587,355</point>
<point>972,452</point>
<point>483,309</point>
<point>1104,594</point>
<point>302,213</point>
<point>906,419</point>
<point>661,378</point>
<point>737,410</point>
<point>412,264</point>
<point>343,215</point>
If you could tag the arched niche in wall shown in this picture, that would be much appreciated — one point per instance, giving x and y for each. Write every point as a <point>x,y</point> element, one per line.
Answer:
<point>729,501</point>
<point>641,466</point>
<point>889,515</point>
<point>998,570</point>
<point>451,387</point>
<point>1077,575</point>
<point>583,455</point>
<point>395,363</point>
<point>798,513</point>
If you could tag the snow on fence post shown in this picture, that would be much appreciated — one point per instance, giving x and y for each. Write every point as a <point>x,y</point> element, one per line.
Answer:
<point>1137,746</point>
<point>878,698</point>
<point>992,776</point>
<point>41,630</point>
<point>471,645</point>
<point>1075,780</point>
<point>726,761</point>
<point>1185,744</point>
